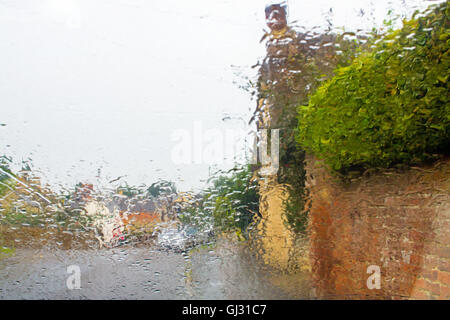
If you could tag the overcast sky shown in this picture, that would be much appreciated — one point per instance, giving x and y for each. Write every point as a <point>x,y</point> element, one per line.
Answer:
<point>91,90</point>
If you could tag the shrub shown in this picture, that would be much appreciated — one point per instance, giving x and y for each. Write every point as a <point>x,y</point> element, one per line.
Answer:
<point>234,200</point>
<point>390,105</point>
<point>228,205</point>
<point>5,181</point>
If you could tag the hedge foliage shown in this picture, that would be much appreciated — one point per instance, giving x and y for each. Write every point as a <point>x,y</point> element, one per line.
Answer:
<point>390,105</point>
<point>228,205</point>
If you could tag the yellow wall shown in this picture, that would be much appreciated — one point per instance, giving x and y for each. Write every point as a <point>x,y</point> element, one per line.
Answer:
<point>276,244</point>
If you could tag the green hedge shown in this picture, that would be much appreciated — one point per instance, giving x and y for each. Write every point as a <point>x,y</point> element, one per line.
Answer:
<point>5,182</point>
<point>390,105</point>
<point>229,204</point>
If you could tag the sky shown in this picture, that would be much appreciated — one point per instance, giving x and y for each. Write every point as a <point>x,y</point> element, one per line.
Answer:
<point>93,90</point>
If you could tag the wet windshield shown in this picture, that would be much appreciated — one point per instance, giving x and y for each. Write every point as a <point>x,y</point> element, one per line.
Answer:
<point>170,150</point>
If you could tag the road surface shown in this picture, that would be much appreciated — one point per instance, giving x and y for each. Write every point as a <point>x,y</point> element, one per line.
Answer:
<point>223,271</point>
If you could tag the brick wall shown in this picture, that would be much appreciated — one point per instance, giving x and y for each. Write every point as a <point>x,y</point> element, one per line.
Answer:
<point>397,220</point>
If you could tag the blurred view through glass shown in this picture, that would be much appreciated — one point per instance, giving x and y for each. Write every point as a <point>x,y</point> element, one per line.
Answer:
<point>132,139</point>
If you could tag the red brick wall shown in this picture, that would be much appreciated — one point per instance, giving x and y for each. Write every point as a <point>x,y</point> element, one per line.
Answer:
<point>397,220</point>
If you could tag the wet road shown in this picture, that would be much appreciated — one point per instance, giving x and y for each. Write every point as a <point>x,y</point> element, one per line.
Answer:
<point>222,272</point>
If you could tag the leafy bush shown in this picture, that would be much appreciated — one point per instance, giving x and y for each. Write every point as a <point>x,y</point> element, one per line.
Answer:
<point>234,199</point>
<point>390,105</point>
<point>228,205</point>
<point>161,188</point>
<point>5,181</point>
